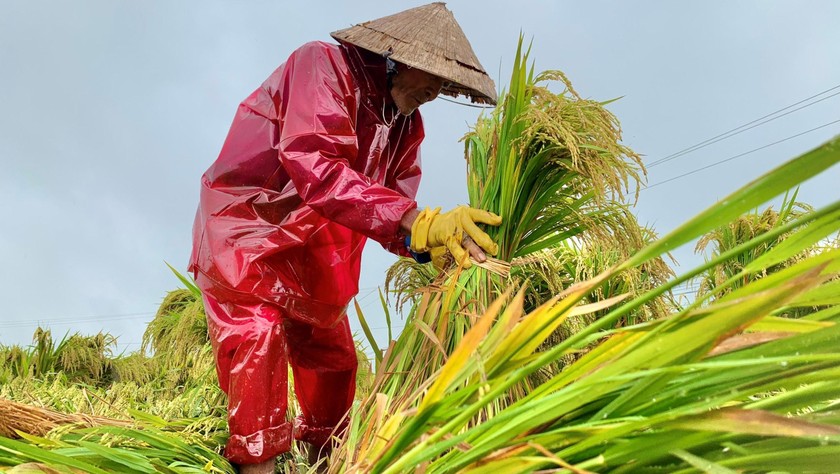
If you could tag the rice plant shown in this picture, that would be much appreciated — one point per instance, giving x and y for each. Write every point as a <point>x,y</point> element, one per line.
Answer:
<point>718,281</point>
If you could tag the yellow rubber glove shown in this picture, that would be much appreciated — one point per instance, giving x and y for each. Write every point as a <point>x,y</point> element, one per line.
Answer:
<point>440,257</point>
<point>433,229</point>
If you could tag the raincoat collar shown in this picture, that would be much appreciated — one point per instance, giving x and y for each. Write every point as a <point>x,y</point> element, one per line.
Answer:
<point>369,71</point>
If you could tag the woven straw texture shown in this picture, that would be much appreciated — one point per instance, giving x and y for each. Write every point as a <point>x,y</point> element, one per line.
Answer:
<point>427,38</point>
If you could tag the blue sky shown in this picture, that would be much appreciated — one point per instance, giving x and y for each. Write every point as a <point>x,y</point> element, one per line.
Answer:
<point>112,110</point>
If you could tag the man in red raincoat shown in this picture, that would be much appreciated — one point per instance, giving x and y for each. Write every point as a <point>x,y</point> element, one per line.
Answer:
<point>321,157</point>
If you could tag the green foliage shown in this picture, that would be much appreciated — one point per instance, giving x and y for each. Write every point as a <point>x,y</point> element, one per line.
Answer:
<point>110,449</point>
<point>730,275</point>
<point>83,359</point>
<point>715,386</point>
<point>570,264</point>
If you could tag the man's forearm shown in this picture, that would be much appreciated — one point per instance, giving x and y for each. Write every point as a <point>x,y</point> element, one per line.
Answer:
<point>407,220</point>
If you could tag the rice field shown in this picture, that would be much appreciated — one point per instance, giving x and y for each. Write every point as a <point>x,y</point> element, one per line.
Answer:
<point>570,353</point>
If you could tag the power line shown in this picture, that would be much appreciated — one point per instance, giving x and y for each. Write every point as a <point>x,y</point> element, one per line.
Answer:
<point>38,322</point>
<point>739,155</point>
<point>386,327</point>
<point>367,294</point>
<point>683,293</point>
<point>741,129</point>
<point>109,317</point>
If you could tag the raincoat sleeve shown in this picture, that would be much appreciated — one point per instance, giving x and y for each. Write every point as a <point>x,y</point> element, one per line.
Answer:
<point>406,180</point>
<point>318,147</point>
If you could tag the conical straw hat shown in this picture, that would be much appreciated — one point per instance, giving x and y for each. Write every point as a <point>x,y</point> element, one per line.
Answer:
<point>427,38</point>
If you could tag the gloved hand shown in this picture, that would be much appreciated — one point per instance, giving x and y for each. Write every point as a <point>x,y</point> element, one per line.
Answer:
<point>440,257</point>
<point>433,229</point>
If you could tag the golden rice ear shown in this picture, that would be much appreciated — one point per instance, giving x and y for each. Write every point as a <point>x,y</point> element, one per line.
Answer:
<point>427,38</point>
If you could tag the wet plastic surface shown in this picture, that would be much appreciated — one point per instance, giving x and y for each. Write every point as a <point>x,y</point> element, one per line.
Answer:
<point>317,160</point>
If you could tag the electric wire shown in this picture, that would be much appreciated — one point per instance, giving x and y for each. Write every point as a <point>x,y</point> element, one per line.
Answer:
<point>109,317</point>
<point>741,128</point>
<point>697,170</point>
<point>63,321</point>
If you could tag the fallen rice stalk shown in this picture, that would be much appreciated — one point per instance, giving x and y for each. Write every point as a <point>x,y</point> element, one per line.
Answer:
<point>18,417</point>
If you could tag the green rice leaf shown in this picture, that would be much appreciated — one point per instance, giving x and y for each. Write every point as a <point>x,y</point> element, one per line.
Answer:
<point>42,455</point>
<point>750,196</point>
<point>377,352</point>
<point>187,282</point>
<point>702,464</point>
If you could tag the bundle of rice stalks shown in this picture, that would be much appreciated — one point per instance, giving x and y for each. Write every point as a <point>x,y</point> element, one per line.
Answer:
<point>552,165</point>
<point>179,327</point>
<point>132,367</point>
<point>18,418</point>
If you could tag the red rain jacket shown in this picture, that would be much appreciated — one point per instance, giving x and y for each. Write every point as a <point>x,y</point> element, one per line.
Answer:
<point>317,160</point>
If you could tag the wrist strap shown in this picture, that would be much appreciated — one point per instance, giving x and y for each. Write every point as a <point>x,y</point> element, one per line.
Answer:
<point>419,257</point>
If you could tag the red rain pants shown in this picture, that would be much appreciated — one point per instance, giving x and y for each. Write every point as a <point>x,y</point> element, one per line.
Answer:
<point>250,344</point>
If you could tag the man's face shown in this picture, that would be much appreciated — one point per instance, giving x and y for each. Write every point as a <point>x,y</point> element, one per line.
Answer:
<point>412,87</point>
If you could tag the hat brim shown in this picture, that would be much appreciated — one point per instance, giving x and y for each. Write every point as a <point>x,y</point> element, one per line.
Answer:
<point>427,38</point>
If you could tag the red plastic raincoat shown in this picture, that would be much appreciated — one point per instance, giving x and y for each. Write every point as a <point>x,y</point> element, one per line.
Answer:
<point>317,160</point>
